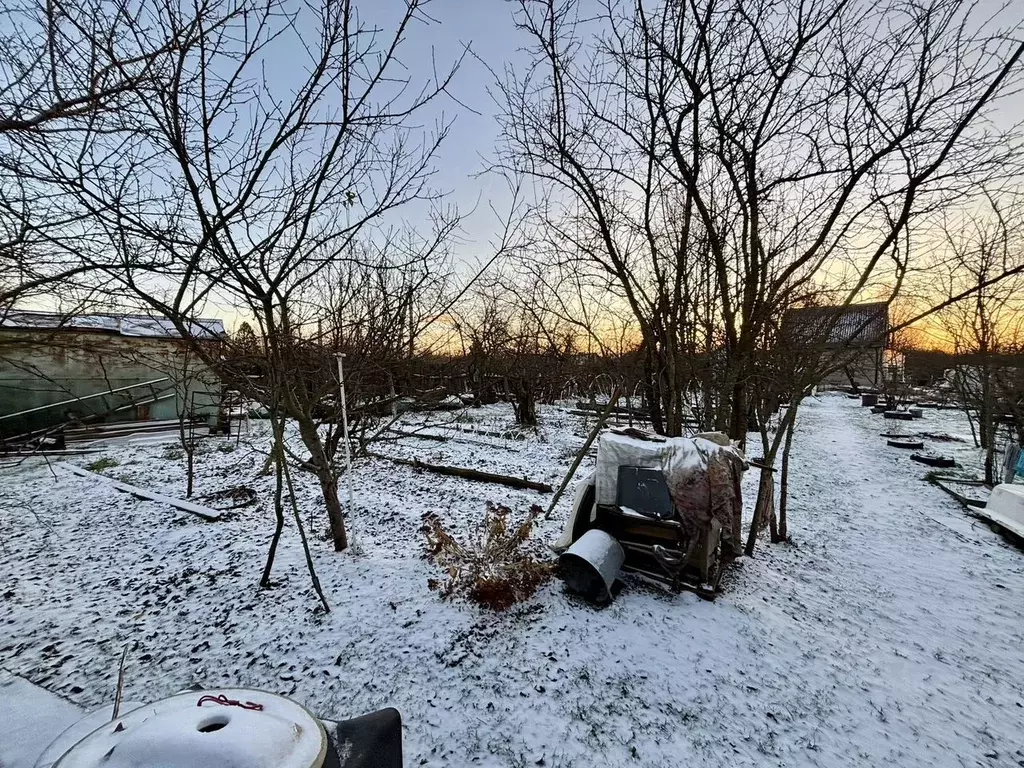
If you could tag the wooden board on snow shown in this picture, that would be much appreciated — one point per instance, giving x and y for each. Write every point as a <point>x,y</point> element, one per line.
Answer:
<point>185,506</point>
<point>959,488</point>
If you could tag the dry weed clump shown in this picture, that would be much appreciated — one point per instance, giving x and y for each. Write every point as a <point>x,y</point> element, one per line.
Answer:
<point>493,568</point>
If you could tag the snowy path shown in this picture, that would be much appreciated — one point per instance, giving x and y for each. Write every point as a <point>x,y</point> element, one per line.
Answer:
<point>892,633</point>
<point>908,615</point>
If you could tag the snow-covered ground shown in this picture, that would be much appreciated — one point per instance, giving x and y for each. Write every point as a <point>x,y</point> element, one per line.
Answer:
<point>26,712</point>
<point>891,632</point>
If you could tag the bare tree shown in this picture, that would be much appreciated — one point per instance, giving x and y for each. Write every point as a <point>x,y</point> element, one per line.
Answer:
<point>189,382</point>
<point>800,349</point>
<point>242,191</point>
<point>73,81</point>
<point>516,344</point>
<point>712,158</point>
<point>985,326</point>
<point>284,488</point>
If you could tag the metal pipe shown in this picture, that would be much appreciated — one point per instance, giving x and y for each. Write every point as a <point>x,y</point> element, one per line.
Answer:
<point>85,397</point>
<point>154,398</point>
<point>348,450</point>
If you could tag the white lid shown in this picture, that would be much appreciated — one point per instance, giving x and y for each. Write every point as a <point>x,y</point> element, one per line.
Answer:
<point>177,733</point>
<point>78,731</point>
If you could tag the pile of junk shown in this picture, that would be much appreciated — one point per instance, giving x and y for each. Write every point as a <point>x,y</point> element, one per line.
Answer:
<point>666,509</point>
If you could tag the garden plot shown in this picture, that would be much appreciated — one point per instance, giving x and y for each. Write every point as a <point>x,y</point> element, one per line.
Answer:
<point>943,431</point>
<point>881,636</point>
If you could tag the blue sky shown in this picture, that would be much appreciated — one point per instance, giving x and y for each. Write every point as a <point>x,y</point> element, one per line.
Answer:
<point>488,27</point>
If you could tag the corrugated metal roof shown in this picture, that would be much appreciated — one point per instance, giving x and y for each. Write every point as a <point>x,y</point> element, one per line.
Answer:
<point>853,325</point>
<point>122,325</point>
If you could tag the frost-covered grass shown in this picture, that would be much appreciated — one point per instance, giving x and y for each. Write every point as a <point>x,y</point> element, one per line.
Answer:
<point>101,464</point>
<point>891,632</point>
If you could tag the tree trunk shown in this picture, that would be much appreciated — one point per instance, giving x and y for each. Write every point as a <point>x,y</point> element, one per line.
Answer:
<point>528,410</point>
<point>987,422</point>
<point>524,404</point>
<point>762,508</point>
<point>328,483</point>
<point>709,420</point>
<point>652,384</point>
<point>191,470</point>
<point>738,414</point>
<point>279,514</point>
<point>739,409</point>
<point>189,448</point>
<point>673,396</point>
<point>984,419</point>
<point>970,423</point>
<point>392,394</point>
<point>335,514</point>
<point>302,532</point>
<point>283,476</point>
<point>784,482</point>
<point>666,417</point>
<point>773,524</point>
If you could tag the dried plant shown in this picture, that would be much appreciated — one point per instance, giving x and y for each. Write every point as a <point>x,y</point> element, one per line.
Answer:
<point>494,568</point>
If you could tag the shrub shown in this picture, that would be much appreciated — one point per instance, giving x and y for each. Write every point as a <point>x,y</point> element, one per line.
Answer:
<point>495,568</point>
<point>100,464</point>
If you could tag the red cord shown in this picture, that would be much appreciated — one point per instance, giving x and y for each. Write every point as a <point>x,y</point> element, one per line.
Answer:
<point>222,699</point>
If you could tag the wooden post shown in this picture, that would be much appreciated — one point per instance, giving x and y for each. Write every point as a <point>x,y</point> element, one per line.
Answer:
<point>586,447</point>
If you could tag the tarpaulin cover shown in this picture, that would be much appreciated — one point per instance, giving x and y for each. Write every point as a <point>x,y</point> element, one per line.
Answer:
<point>703,477</point>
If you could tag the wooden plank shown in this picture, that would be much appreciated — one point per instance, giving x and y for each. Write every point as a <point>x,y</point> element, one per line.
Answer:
<point>967,501</point>
<point>185,506</point>
<point>507,434</point>
<point>467,474</point>
<point>28,453</point>
<point>456,436</point>
<point>119,426</point>
<point>419,435</point>
<point>911,444</point>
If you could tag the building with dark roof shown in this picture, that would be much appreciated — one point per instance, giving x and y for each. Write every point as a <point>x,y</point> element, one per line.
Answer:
<point>857,335</point>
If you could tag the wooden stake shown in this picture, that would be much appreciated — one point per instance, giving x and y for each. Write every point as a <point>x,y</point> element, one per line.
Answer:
<point>586,447</point>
